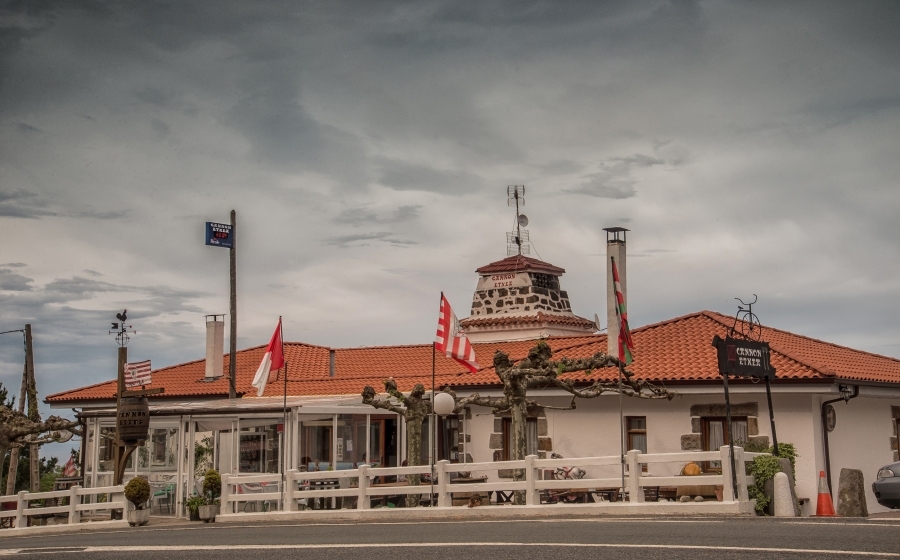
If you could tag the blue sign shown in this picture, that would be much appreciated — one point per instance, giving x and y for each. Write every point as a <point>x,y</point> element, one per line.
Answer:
<point>219,235</point>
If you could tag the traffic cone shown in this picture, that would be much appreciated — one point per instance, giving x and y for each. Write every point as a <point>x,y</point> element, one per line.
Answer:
<point>824,507</point>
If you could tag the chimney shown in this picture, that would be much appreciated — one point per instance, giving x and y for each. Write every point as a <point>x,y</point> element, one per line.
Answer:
<point>615,249</point>
<point>215,344</point>
<point>331,363</point>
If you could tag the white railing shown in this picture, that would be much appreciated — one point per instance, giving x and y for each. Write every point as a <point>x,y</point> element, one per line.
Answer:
<point>358,483</point>
<point>73,509</point>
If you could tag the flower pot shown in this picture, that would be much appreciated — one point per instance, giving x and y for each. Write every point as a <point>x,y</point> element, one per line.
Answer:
<point>194,514</point>
<point>208,513</point>
<point>138,517</point>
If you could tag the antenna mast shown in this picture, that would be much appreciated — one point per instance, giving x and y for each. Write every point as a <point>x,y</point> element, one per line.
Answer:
<point>517,241</point>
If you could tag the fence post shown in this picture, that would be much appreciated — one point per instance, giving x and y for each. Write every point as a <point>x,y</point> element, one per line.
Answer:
<point>635,493</point>
<point>530,492</point>
<point>20,508</point>
<point>363,502</point>
<point>727,489</point>
<point>114,498</point>
<point>443,497</point>
<point>225,498</point>
<point>290,487</point>
<point>74,514</point>
<point>743,496</point>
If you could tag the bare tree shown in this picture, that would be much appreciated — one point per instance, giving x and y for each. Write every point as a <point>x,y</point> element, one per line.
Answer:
<point>539,371</point>
<point>414,408</point>
<point>18,430</point>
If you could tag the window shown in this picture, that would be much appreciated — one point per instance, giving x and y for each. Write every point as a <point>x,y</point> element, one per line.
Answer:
<point>531,439</point>
<point>636,427</point>
<point>715,435</point>
<point>449,439</point>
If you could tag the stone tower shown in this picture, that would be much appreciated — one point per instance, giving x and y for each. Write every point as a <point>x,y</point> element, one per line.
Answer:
<point>519,298</point>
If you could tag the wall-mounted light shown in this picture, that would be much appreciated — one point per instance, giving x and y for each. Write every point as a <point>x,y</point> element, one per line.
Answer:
<point>845,393</point>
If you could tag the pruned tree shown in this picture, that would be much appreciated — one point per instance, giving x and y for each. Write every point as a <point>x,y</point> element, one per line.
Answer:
<point>539,371</point>
<point>414,408</point>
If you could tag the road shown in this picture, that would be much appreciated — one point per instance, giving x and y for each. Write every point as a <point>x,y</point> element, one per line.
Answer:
<point>548,539</point>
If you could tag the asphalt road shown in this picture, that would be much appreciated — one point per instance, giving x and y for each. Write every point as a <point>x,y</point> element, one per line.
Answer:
<point>550,539</point>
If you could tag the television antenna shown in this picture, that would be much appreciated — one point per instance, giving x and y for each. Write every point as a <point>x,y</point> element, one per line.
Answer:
<point>517,241</point>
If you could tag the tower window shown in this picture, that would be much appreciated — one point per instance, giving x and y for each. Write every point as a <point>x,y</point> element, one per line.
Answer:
<point>544,280</point>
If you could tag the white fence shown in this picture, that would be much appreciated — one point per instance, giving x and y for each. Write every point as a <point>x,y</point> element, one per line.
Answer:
<point>115,496</point>
<point>329,485</point>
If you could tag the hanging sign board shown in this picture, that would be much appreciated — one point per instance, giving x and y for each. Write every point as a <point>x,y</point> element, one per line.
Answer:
<point>219,235</point>
<point>133,420</point>
<point>743,358</point>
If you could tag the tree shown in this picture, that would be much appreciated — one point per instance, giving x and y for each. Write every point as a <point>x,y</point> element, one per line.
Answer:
<point>539,371</point>
<point>414,409</point>
<point>18,430</point>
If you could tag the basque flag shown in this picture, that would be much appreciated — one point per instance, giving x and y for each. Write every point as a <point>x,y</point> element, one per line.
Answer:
<point>273,360</point>
<point>451,341</point>
<point>626,345</point>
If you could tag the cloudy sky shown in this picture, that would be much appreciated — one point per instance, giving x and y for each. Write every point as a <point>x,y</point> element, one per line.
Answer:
<point>750,147</point>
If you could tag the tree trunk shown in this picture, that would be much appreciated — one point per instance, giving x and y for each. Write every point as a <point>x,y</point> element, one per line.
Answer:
<point>517,443</point>
<point>3,450</point>
<point>413,454</point>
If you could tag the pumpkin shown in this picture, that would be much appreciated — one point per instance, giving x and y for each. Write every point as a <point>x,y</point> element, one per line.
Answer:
<point>691,469</point>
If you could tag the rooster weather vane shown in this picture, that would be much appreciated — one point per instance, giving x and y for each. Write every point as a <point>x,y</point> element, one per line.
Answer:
<point>121,330</point>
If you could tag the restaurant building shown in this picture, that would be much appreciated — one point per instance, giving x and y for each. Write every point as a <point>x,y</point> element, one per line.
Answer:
<point>322,424</point>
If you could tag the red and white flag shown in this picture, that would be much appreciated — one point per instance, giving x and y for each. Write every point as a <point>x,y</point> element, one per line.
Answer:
<point>451,341</point>
<point>69,468</point>
<point>137,374</point>
<point>273,360</point>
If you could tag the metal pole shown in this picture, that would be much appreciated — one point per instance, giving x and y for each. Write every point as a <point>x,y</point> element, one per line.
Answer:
<point>119,469</point>
<point>730,439</point>
<point>622,434</point>
<point>433,423</point>
<point>232,343</point>
<point>772,418</point>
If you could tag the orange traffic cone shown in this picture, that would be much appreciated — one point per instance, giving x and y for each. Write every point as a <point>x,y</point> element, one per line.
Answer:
<point>824,507</point>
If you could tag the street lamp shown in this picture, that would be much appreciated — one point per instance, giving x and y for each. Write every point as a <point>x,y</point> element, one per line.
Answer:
<point>444,404</point>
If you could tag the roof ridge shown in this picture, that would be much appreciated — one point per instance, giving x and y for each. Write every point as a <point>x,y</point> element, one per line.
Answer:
<point>79,389</point>
<point>818,368</point>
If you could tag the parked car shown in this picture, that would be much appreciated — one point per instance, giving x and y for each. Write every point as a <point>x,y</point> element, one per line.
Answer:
<point>887,486</point>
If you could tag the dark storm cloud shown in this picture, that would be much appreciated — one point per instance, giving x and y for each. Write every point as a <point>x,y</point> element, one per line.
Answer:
<point>23,204</point>
<point>614,180</point>
<point>14,282</point>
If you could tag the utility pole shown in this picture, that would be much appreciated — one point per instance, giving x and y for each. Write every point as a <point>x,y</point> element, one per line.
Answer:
<point>232,343</point>
<point>33,412</point>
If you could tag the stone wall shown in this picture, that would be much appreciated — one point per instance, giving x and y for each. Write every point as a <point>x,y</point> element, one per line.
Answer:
<point>519,300</point>
<point>694,440</point>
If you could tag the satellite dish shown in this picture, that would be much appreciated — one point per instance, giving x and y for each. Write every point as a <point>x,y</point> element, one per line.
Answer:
<point>597,322</point>
<point>523,220</point>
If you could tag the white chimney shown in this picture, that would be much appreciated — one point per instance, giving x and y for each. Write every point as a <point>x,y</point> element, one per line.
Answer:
<point>615,249</point>
<point>215,344</point>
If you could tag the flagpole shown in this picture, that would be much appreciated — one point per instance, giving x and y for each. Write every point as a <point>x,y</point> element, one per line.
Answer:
<point>621,417</point>
<point>433,419</point>
<point>284,425</point>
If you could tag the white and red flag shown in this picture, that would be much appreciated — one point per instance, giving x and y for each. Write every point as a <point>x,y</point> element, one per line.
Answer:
<point>69,469</point>
<point>273,360</point>
<point>137,374</point>
<point>451,341</point>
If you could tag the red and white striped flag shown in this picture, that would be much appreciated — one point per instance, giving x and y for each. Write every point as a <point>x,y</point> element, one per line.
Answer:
<point>273,360</point>
<point>69,468</point>
<point>451,341</point>
<point>137,374</point>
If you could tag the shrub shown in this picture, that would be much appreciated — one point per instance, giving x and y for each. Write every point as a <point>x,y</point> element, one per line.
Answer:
<point>763,468</point>
<point>194,502</point>
<point>137,491</point>
<point>212,485</point>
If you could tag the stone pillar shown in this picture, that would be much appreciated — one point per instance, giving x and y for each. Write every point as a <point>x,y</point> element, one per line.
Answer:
<point>615,248</point>
<point>852,494</point>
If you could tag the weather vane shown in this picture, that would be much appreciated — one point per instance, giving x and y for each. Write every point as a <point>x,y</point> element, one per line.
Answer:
<point>517,242</point>
<point>121,330</point>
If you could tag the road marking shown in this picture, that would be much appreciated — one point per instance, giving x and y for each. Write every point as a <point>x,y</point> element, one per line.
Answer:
<point>188,548</point>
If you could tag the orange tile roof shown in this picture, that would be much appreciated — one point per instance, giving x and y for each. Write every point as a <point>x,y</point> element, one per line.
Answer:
<point>677,350</point>
<point>520,262</point>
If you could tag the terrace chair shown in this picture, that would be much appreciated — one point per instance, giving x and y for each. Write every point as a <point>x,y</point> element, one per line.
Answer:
<point>163,494</point>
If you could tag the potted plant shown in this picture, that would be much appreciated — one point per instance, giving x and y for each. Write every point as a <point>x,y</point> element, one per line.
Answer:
<point>137,491</point>
<point>212,489</point>
<point>193,505</point>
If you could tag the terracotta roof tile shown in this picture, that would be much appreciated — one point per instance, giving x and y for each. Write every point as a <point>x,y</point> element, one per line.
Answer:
<point>520,263</point>
<point>677,350</point>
